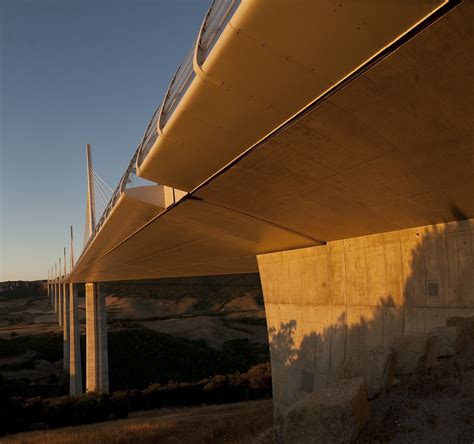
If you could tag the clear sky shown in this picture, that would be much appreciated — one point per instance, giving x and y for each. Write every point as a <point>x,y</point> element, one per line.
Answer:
<point>74,72</point>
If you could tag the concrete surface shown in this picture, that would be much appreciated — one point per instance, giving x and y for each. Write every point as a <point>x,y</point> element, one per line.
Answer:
<point>97,367</point>
<point>75,367</point>
<point>326,303</point>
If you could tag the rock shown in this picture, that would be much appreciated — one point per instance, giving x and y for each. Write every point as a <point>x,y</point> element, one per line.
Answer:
<point>466,324</point>
<point>336,413</point>
<point>375,365</point>
<point>42,364</point>
<point>451,340</point>
<point>431,354</point>
<point>411,353</point>
<point>274,435</point>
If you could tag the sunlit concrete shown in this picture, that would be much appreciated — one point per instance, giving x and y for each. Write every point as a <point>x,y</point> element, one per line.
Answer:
<point>326,303</point>
<point>97,368</point>
<point>75,366</point>
<point>271,61</point>
<point>390,150</point>
<point>66,326</point>
<point>60,311</point>
<point>55,296</point>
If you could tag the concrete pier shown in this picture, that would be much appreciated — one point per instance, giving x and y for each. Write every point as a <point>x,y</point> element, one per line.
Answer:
<point>97,368</point>
<point>60,312</point>
<point>75,368</point>
<point>66,326</point>
<point>325,304</point>
<point>55,296</point>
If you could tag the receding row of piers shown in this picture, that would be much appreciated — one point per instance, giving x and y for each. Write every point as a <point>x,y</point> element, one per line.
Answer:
<point>64,298</point>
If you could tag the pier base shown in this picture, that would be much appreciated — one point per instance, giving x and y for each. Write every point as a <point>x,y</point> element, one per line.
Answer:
<point>97,369</point>
<point>75,367</point>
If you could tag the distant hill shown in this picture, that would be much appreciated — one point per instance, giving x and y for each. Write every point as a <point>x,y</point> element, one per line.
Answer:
<point>207,290</point>
<point>21,288</point>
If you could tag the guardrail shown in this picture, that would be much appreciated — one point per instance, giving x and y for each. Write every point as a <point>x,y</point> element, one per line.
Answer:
<point>151,134</point>
<point>178,87</point>
<point>217,18</point>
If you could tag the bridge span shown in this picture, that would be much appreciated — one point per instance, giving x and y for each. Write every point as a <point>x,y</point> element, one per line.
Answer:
<point>327,146</point>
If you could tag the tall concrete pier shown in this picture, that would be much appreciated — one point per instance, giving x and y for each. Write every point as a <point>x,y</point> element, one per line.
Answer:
<point>60,303</point>
<point>50,286</point>
<point>48,290</point>
<point>55,286</point>
<point>75,368</point>
<point>60,296</point>
<point>65,318</point>
<point>53,294</point>
<point>97,368</point>
<point>66,325</point>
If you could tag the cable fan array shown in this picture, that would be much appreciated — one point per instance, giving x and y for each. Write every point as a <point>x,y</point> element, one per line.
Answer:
<point>101,195</point>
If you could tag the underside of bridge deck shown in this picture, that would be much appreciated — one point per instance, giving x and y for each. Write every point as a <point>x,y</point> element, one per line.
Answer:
<point>390,150</point>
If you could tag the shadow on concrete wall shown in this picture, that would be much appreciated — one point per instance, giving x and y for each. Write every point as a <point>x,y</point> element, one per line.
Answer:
<point>306,356</point>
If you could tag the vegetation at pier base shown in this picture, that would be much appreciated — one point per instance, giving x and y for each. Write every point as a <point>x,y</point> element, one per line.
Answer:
<point>18,414</point>
<point>139,357</point>
<point>47,346</point>
<point>15,289</point>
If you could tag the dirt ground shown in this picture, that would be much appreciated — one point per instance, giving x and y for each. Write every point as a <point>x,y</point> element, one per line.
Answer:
<point>430,406</point>
<point>231,423</point>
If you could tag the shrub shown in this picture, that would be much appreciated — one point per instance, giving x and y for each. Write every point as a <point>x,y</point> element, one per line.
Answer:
<point>89,408</point>
<point>10,347</point>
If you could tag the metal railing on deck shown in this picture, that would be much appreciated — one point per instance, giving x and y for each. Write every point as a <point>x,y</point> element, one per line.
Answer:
<point>178,87</point>
<point>151,134</point>
<point>217,18</point>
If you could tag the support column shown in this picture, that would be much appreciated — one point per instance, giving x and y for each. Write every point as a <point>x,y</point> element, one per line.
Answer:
<point>60,303</point>
<point>53,294</point>
<point>51,286</point>
<point>66,326</point>
<point>325,305</point>
<point>56,296</point>
<point>75,369</point>
<point>55,285</point>
<point>97,368</point>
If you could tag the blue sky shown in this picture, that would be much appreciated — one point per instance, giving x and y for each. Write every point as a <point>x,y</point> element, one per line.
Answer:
<point>74,72</point>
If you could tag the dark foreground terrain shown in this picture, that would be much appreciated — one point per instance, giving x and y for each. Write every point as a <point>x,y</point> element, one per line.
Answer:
<point>232,423</point>
<point>433,405</point>
<point>430,406</point>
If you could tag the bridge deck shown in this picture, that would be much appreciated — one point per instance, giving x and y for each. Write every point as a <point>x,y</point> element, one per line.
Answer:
<point>392,149</point>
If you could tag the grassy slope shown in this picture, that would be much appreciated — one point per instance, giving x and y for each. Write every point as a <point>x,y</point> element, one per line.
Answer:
<point>231,423</point>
